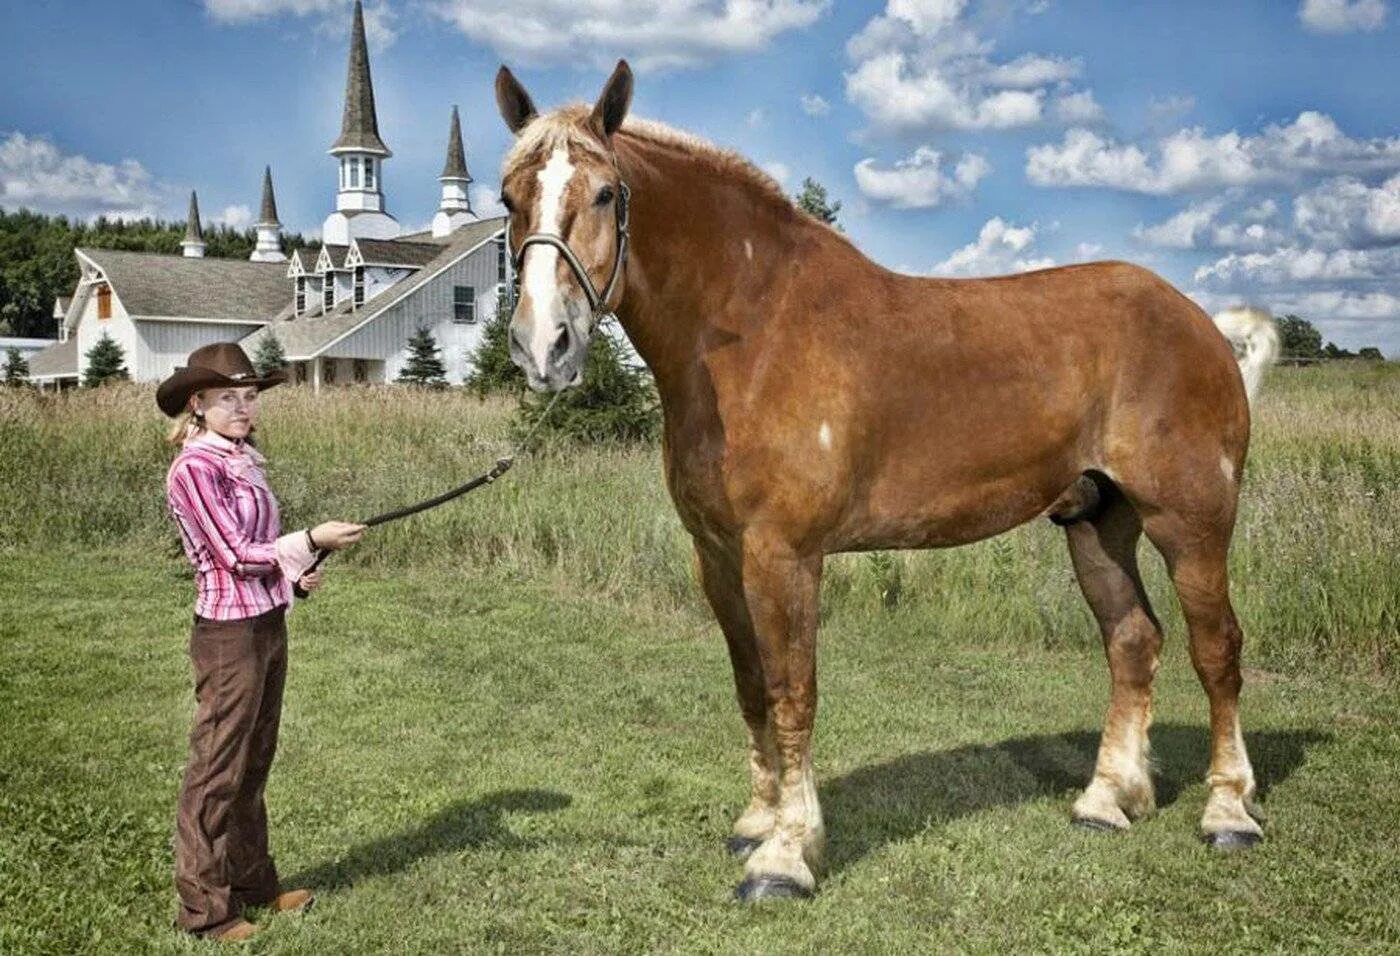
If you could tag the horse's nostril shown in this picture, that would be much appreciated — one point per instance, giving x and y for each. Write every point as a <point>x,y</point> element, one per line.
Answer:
<point>560,348</point>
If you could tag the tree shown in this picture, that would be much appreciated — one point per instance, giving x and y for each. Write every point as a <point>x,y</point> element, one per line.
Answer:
<point>270,355</point>
<point>424,365</point>
<point>1371,354</point>
<point>615,402</point>
<point>16,368</point>
<point>814,201</point>
<point>492,368</point>
<point>1301,341</point>
<point>106,363</point>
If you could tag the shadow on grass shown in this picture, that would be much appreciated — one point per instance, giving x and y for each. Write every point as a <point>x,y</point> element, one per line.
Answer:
<point>463,825</point>
<point>892,801</point>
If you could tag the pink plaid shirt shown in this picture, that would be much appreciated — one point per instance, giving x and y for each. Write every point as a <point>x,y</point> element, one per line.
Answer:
<point>230,526</point>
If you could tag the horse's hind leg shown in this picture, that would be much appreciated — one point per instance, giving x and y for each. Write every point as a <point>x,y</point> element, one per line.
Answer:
<point>1195,550</point>
<point>720,576</point>
<point>1104,552</point>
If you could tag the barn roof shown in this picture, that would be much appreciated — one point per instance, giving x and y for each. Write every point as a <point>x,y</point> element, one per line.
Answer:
<point>151,285</point>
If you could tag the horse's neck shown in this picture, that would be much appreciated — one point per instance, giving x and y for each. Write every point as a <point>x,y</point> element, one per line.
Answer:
<point>703,250</point>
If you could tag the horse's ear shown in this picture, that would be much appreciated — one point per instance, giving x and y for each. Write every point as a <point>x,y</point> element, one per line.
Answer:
<point>515,104</point>
<point>611,108</point>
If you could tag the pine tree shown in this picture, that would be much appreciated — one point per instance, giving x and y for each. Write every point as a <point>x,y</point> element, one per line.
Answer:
<point>492,368</point>
<point>16,368</point>
<point>106,363</point>
<point>615,402</point>
<point>270,356</point>
<point>424,362</point>
<point>814,201</point>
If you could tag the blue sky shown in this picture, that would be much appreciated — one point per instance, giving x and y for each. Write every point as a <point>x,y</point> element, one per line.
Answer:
<point>1248,151</point>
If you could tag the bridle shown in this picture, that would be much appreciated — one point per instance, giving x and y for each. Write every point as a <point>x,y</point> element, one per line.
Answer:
<point>597,304</point>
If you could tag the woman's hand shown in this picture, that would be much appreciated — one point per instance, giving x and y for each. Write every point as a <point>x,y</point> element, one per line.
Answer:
<point>336,535</point>
<point>310,581</point>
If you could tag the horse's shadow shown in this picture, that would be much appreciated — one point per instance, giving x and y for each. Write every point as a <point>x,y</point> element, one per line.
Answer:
<point>892,801</point>
<point>463,825</point>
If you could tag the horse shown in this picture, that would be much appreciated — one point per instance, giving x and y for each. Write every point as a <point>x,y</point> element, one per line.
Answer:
<point>815,402</point>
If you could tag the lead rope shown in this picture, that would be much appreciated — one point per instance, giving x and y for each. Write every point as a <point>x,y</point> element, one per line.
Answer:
<point>501,466</point>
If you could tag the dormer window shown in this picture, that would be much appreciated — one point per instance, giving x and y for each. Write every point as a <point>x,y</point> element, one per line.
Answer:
<point>359,286</point>
<point>327,292</point>
<point>300,307</point>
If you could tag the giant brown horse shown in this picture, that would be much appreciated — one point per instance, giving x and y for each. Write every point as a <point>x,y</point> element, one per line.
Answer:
<point>815,402</point>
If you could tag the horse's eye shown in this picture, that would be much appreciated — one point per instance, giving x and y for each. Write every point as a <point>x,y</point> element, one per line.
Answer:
<point>605,196</point>
<point>505,201</point>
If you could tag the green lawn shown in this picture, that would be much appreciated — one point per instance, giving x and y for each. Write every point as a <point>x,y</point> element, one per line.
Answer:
<point>490,762</point>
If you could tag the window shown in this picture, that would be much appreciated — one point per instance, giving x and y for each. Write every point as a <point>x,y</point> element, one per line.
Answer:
<point>300,306</point>
<point>501,260</point>
<point>327,292</point>
<point>463,304</point>
<point>359,286</point>
<point>361,370</point>
<point>369,174</point>
<point>328,371</point>
<point>104,302</point>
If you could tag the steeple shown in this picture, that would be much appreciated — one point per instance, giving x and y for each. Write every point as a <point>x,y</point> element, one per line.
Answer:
<point>359,202</point>
<point>456,208</point>
<point>359,126</point>
<point>193,243</point>
<point>269,247</point>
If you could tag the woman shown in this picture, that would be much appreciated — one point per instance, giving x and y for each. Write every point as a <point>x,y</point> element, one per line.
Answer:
<point>229,524</point>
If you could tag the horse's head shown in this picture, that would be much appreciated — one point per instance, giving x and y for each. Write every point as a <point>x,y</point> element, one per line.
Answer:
<point>568,225</point>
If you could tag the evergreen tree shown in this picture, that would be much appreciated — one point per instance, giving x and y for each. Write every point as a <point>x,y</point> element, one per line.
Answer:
<point>16,368</point>
<point>814,201</point>
<point>106,363</point>
<point>615,402</point>
<point>270,355</point>
<point>424,362</point>
<point>492,368</point>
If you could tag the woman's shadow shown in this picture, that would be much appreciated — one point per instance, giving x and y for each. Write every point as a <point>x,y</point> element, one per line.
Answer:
<point>892,801</point>
<point>462,825</point>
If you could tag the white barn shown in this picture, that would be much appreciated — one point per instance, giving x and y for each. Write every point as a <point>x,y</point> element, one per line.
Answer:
<point>343,310</point>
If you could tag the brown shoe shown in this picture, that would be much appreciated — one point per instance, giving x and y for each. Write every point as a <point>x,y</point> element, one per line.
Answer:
<point>239,932</point>
<point>292,901</point>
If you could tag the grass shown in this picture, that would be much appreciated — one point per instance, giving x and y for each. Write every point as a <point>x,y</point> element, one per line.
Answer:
<point>510,724</point>
<point>476,764</point>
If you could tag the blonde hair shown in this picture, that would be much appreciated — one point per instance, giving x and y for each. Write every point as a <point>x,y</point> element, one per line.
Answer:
<point>186,426</point>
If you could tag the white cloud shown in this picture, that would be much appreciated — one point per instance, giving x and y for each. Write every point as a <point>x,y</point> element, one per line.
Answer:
<point>1087,250</point>
<point>919,66</point>
<point>486,201</point>
<point>1078,109</point>
<point>1342,16</point>
<point>814,105</point>
<point>1000,247</point>
<point>36,174</point>
<point>332,16</point>
<point>652,34</point>
<point>919,181</point>
<point>1198,226</point>
<point>235,217</point>
<point>1191,160</point>
<point>779,171</point>
<point>756,118</point>
<point>1345,211</point>
<point>1292,264</point>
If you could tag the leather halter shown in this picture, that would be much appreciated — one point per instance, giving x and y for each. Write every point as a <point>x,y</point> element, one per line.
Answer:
<point>598,304</point>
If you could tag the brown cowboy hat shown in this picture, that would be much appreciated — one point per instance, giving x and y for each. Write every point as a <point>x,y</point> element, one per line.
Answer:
<point>211,366</point>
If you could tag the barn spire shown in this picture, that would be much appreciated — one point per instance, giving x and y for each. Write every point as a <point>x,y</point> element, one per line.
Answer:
<point>193,243</point>
<point>269,247</point>
<point>456,207</point>
<point>359,126</point>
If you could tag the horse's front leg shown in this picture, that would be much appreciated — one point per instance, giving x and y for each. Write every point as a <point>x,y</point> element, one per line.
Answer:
<point>721,577</point>
<point>781,591</point>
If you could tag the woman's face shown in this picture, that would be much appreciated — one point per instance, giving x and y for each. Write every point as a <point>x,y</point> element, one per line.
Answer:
<point>228,411</point>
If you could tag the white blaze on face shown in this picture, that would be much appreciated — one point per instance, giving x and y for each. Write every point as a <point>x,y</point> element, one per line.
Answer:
<point>541,270</point>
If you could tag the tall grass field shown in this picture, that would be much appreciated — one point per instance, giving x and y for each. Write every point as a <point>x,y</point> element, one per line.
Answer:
<point>510,725</point>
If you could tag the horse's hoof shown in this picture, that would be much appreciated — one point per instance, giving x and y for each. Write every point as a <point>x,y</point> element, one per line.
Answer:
<point>1232,839</point>
<point>1095,824</point>
<point>741,847</point>
<point>755,888</point>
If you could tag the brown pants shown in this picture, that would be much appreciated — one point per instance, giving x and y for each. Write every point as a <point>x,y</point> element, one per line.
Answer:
<point>221,858</point>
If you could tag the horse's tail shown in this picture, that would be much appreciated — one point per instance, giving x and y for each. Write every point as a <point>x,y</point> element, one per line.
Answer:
<point>1255,339</point>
